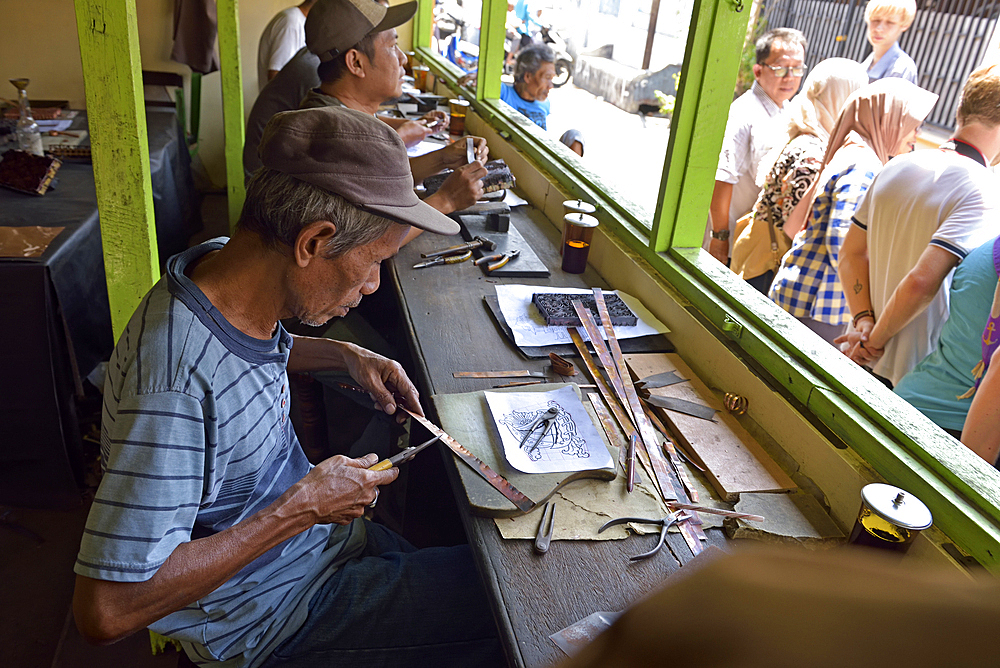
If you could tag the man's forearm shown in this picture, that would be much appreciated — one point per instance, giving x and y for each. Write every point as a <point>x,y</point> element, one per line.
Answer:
<point>425,165</point>
<point>853,271</point>
<point>908,301</point>
<point>316,354</point>
<point>107,611</point>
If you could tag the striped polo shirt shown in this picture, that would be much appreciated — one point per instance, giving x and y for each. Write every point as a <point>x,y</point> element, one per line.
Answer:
<point>195,438</point>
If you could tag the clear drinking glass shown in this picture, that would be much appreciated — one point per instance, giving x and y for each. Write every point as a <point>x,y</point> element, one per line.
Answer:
<point>29,136</point>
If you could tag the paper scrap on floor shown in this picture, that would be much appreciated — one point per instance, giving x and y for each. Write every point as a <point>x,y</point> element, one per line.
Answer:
<point>571,444</point>
<point>529,326</point>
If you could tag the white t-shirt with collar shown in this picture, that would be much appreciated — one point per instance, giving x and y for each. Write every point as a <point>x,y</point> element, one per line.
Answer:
<point>929,197</point>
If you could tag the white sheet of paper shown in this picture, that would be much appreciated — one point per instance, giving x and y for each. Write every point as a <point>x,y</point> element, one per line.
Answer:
<point>60,125</point>
<point>512,199</point>
<point>571,444</point>
<point>423,148</point>
<point>529,326</point>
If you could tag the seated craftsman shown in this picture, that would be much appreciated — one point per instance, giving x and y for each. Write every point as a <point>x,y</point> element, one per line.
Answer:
<point>288,88</point>
<point>209,526</point>
<point>361,67</point>
<point>533,74</point>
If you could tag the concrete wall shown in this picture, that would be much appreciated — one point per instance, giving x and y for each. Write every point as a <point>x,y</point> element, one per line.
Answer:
<point>38,40</point>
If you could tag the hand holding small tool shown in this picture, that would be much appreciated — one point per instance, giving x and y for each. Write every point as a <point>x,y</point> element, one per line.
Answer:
<point>404,456</point>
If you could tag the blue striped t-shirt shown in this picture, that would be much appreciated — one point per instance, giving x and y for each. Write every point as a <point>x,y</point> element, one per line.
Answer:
<point>195,438</point>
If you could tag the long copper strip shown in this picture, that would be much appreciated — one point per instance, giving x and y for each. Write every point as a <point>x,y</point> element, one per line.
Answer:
<point>608,423</point>
<point>602,353</point>
<point>717,511</point>
<point>691,528</point>
<point>479,466</point>
<point>602,385</point>
<point>672,455</point>
<point>647,437</point>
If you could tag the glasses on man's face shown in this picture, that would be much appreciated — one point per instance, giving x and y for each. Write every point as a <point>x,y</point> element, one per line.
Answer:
<point>782,72</point>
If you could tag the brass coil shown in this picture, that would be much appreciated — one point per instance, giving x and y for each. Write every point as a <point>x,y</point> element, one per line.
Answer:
<point>735,404</point>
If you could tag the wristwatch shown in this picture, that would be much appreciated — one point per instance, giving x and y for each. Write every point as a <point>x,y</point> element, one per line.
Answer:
<point>721,235</point>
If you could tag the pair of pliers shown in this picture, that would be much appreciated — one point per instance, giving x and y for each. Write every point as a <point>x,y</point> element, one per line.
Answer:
<point>444,259</point>
<point>545,420</point>
<point>665,523</point>
<point>498,260</point>
<point>404,456</point>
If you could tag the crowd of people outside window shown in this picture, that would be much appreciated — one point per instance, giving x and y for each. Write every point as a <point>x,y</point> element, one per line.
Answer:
<point>887,253</point>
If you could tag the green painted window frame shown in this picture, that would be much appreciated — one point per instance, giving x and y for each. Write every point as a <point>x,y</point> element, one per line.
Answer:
<point>902,445</point>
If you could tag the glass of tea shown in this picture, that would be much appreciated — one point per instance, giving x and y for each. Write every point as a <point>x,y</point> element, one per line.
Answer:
<point>578,233</point>
<point>889,518</point>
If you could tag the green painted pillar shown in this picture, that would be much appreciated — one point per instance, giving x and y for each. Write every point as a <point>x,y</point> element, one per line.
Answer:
<point>232,104</point>
<point>109,49</point>
<point>491,53</point>
<point>711,63</point>
<point>423,25</point>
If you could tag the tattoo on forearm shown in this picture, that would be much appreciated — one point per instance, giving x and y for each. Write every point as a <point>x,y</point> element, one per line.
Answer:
<point>857,286</point>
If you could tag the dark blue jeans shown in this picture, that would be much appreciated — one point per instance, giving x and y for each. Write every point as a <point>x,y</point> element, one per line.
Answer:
<point>396,605</point>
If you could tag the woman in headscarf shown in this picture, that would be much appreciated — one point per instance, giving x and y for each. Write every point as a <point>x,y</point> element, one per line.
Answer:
<point>788,172</point>
<point>877,122</point>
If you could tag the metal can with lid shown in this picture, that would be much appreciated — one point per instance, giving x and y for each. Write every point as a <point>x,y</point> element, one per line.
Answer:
<point>890,518</point>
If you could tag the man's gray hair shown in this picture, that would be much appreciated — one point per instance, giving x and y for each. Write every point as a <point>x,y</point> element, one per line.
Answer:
<point>531,58</point>
<point>279,206</point>
<point>787,36</point>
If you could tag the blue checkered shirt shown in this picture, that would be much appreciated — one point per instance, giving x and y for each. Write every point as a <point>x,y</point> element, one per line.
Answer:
<point>807,285</point>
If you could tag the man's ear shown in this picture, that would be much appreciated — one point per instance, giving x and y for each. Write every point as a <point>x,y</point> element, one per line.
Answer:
<point>758,70</point>
<point>312,241</point>
<point>355,62</point>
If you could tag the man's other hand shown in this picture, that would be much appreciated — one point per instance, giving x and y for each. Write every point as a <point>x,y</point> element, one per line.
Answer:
<point>385,380</point>
<point>719,248</point>
<point>454,155</point>
<point>460,190</point>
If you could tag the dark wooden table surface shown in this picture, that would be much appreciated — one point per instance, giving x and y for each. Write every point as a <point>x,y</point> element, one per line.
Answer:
<point>451,330</point>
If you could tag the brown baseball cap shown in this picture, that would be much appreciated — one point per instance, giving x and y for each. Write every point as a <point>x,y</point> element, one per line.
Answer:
<point>334,26</point>
<point>354,155</point>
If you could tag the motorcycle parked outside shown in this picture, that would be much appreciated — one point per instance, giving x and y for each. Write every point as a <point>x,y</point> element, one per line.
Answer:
<point>564,61</point>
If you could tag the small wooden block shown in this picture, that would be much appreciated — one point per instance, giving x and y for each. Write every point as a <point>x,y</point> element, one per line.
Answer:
<point>734,462</point>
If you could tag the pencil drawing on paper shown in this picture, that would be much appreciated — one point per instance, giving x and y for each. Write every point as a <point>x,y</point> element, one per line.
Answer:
<point>559,442</point>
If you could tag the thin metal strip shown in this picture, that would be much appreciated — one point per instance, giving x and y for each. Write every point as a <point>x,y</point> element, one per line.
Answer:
<point>616,408</point>
<point>499,374</point>
<point>479,466</point>
<point>609,428</point>
<point>683,406</point>
<point>646,432</point>
<point>668,445</point>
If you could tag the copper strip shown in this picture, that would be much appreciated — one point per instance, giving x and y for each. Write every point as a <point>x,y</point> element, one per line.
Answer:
<point>672,455</point>
<point>609,427</point>
<point>498,374</point>
<point>717,511</point>
<point>479,466</point>
<point>616,371</point>
<point>602,385</point>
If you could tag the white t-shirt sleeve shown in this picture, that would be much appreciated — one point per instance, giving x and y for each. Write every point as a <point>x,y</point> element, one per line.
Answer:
<point>968,225</point>
<point>287,38</point>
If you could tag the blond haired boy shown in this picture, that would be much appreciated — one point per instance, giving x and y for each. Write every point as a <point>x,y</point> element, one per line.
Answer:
<point>887,20</point>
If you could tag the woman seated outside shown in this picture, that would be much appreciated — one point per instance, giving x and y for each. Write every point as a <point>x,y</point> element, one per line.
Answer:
<point>877,122</point>
<point>789,172</point>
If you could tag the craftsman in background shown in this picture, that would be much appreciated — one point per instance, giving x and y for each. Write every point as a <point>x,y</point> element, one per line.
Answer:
<point>281,39</point>
<point>751,132</point>
<point>210,526</point>
<point>361,67</point>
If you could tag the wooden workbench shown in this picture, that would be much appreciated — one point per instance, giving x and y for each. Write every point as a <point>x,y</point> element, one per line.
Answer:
<point>451,330</point>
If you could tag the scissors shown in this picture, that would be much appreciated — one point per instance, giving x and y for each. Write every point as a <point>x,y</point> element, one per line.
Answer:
<point>546,419</point>
<point>665,523</point>
<point>404,456</point>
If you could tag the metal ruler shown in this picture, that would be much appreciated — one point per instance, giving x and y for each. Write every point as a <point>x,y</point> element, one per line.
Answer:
<point>500,483</point>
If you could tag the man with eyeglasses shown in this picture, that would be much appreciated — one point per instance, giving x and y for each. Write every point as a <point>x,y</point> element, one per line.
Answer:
<point>751,132</point>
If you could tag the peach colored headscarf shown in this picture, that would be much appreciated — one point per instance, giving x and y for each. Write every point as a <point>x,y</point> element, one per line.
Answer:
<point>881,114</point>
